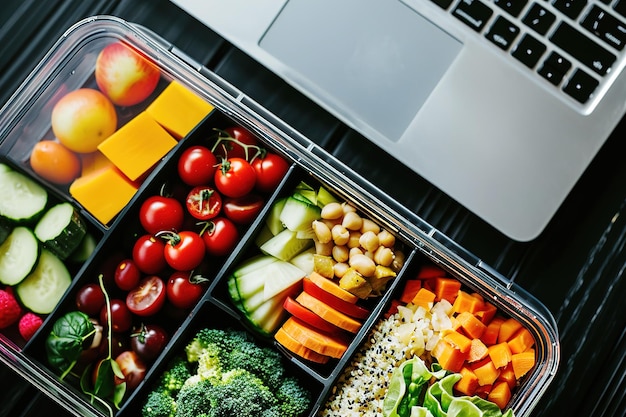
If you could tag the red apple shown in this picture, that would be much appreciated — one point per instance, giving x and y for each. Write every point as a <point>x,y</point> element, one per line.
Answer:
<point>82,119</point>
<point>124,76</point>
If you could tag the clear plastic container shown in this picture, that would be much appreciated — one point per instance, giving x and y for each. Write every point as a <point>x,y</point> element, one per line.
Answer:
<point>69,65</point>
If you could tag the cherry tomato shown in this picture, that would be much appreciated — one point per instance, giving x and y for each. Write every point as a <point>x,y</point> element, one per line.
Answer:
<point>203,202</point>
<point>127,275</point>
<point>159,213</point>
<point>148,254</point>
<point>243,210</point>
<point>235,177</point>
<point>270,171</point>
<point>197,165</point>
<point>121,317</point>
<point>232,149</point>
<point>147,298</point>
<point>185,290</point>
<point>90,299</point>
<point>220,236</point>
<point>148,341</point>
<point>133,368</point>
<point>184,251</point>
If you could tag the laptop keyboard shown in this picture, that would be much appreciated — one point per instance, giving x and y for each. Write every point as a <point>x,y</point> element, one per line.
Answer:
<point>571,44</point>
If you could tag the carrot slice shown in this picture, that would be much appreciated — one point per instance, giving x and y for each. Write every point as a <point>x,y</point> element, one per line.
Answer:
<point>331,315</point>
<point>521,341</point>
<point>447,289</point>
<point>486,371</point>
<point>458,340</point>
<point>411,287</point>
<point>500,394</point>
<point>468,383</point>
<point>298,348</point>
<point>424,298</point>
<point>500,354</point>
<point>449,357</point>
<point>298,310</point>
<point>508,375</point>
<point>467,302</point>
<point>523,362</point>
<point>507,329</point>
<point>318,341</point>
<point>333,288</point>
<point>490,335</point>
<point>487,313</point>
<point>473,327</point>
<point>351,309</point>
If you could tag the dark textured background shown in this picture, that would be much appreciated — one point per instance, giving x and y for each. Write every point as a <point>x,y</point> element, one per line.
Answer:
<point>575,267</point>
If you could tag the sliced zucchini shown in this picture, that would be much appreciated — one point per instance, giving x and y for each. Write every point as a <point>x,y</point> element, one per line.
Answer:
<point>18,255</point>
<point>285,245</point>
<point>298,215</point>
<point>273,219</point>
<point>44,287</point>
<point>21,199</point>
<point>61,230</point>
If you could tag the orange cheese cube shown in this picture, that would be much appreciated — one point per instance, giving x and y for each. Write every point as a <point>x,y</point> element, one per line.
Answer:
<point>103,193</point>
<point>92,162</point>
<point>137,146</point>
<point>178,109</point>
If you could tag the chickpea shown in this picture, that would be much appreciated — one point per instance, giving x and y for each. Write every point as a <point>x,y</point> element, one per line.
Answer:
<point>352,221</point>
<point>369,225</point>
<point>322,232</point>
<point>353,240</point>
<point>383,256</point>
<point>332,211</point>
<point>355,251</point>
<point>398,261</point>
<point>340,269</point>
<point>363,265</point>
<point>369,241</point>
<point>340,235</point>
<point>341,253</point>
<point>386,239</point>
<point>325,249</point>
<point>348,208</point>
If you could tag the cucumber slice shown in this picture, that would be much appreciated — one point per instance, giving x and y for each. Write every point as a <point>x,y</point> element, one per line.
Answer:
<point>84,250</point>
<point>324,197</point>
<point>298,215</point>
<point>44,287</point>
<point>304,260</point>
<point>23,200</point>
<point>273,219</point>
<point>6,227</point>
<point>61,229</point>
<point>253,264</point>
<point>18,255</point>
<point>280,276</point>
<point>285,245</point>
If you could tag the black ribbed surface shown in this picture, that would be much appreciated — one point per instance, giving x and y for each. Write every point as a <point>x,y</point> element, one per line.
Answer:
<point>575,267</point>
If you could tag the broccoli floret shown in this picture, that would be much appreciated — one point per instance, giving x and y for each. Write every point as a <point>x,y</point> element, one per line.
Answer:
<point>224,339</point>
<point>264,362</point>
<point>294,399</point>
<point>175,376</point>
<point>240,393</point>
<point>193,399</point>
<point>159,404</point>
<point>210,363</point>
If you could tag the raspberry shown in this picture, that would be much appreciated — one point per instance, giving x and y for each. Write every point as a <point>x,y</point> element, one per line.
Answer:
<point>10,310</point>
<point>29,324</point>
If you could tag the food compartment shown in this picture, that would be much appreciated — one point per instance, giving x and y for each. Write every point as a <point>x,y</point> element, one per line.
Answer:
<point>315,272</point>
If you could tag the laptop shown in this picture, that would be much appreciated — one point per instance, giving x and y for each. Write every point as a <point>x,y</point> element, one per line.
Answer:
<point>501,104</point>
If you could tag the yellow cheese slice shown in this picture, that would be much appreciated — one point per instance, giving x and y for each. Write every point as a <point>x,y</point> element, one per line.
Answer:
<point>137,146</point>
<point>103,193</point>
<point>178,109</point>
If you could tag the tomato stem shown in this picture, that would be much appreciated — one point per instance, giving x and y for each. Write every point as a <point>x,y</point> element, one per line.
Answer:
<point>223,138</point>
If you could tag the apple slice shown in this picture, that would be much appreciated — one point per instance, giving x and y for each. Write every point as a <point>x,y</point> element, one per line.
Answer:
<point>352,310</point>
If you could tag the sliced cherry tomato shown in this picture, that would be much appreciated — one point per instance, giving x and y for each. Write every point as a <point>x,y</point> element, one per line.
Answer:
<point>203,202</point>
<point>121,317</point>
<point>133,368</point>
<point>243,210</point>
<point>161,213</point>
<point>270,170</point>
<point>148,254</point>
<point>127,275</point>
<point>220,236</point>
<point>184,289</point>
<point>148,341</point>
<point>229,148</point>
<point>235,177</point>
<point>197,165</point>
<point>183,251</point>
<point>148,297</point>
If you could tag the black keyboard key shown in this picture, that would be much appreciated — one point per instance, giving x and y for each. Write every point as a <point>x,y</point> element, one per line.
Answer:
<point>473,13</point>
<point>513,7</point>
<point>529,50</point>
<point>620,7</point>
<point>444,4</point>
<point>581,86</point>
<point>571,8</point>
<point>502,33</point>
<point>539,19</point>
<point>554,68</point>
<point>606,27</point>
<point>582,48</point>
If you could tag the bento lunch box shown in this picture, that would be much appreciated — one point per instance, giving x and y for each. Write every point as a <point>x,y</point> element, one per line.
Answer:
<point>187,106</point>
